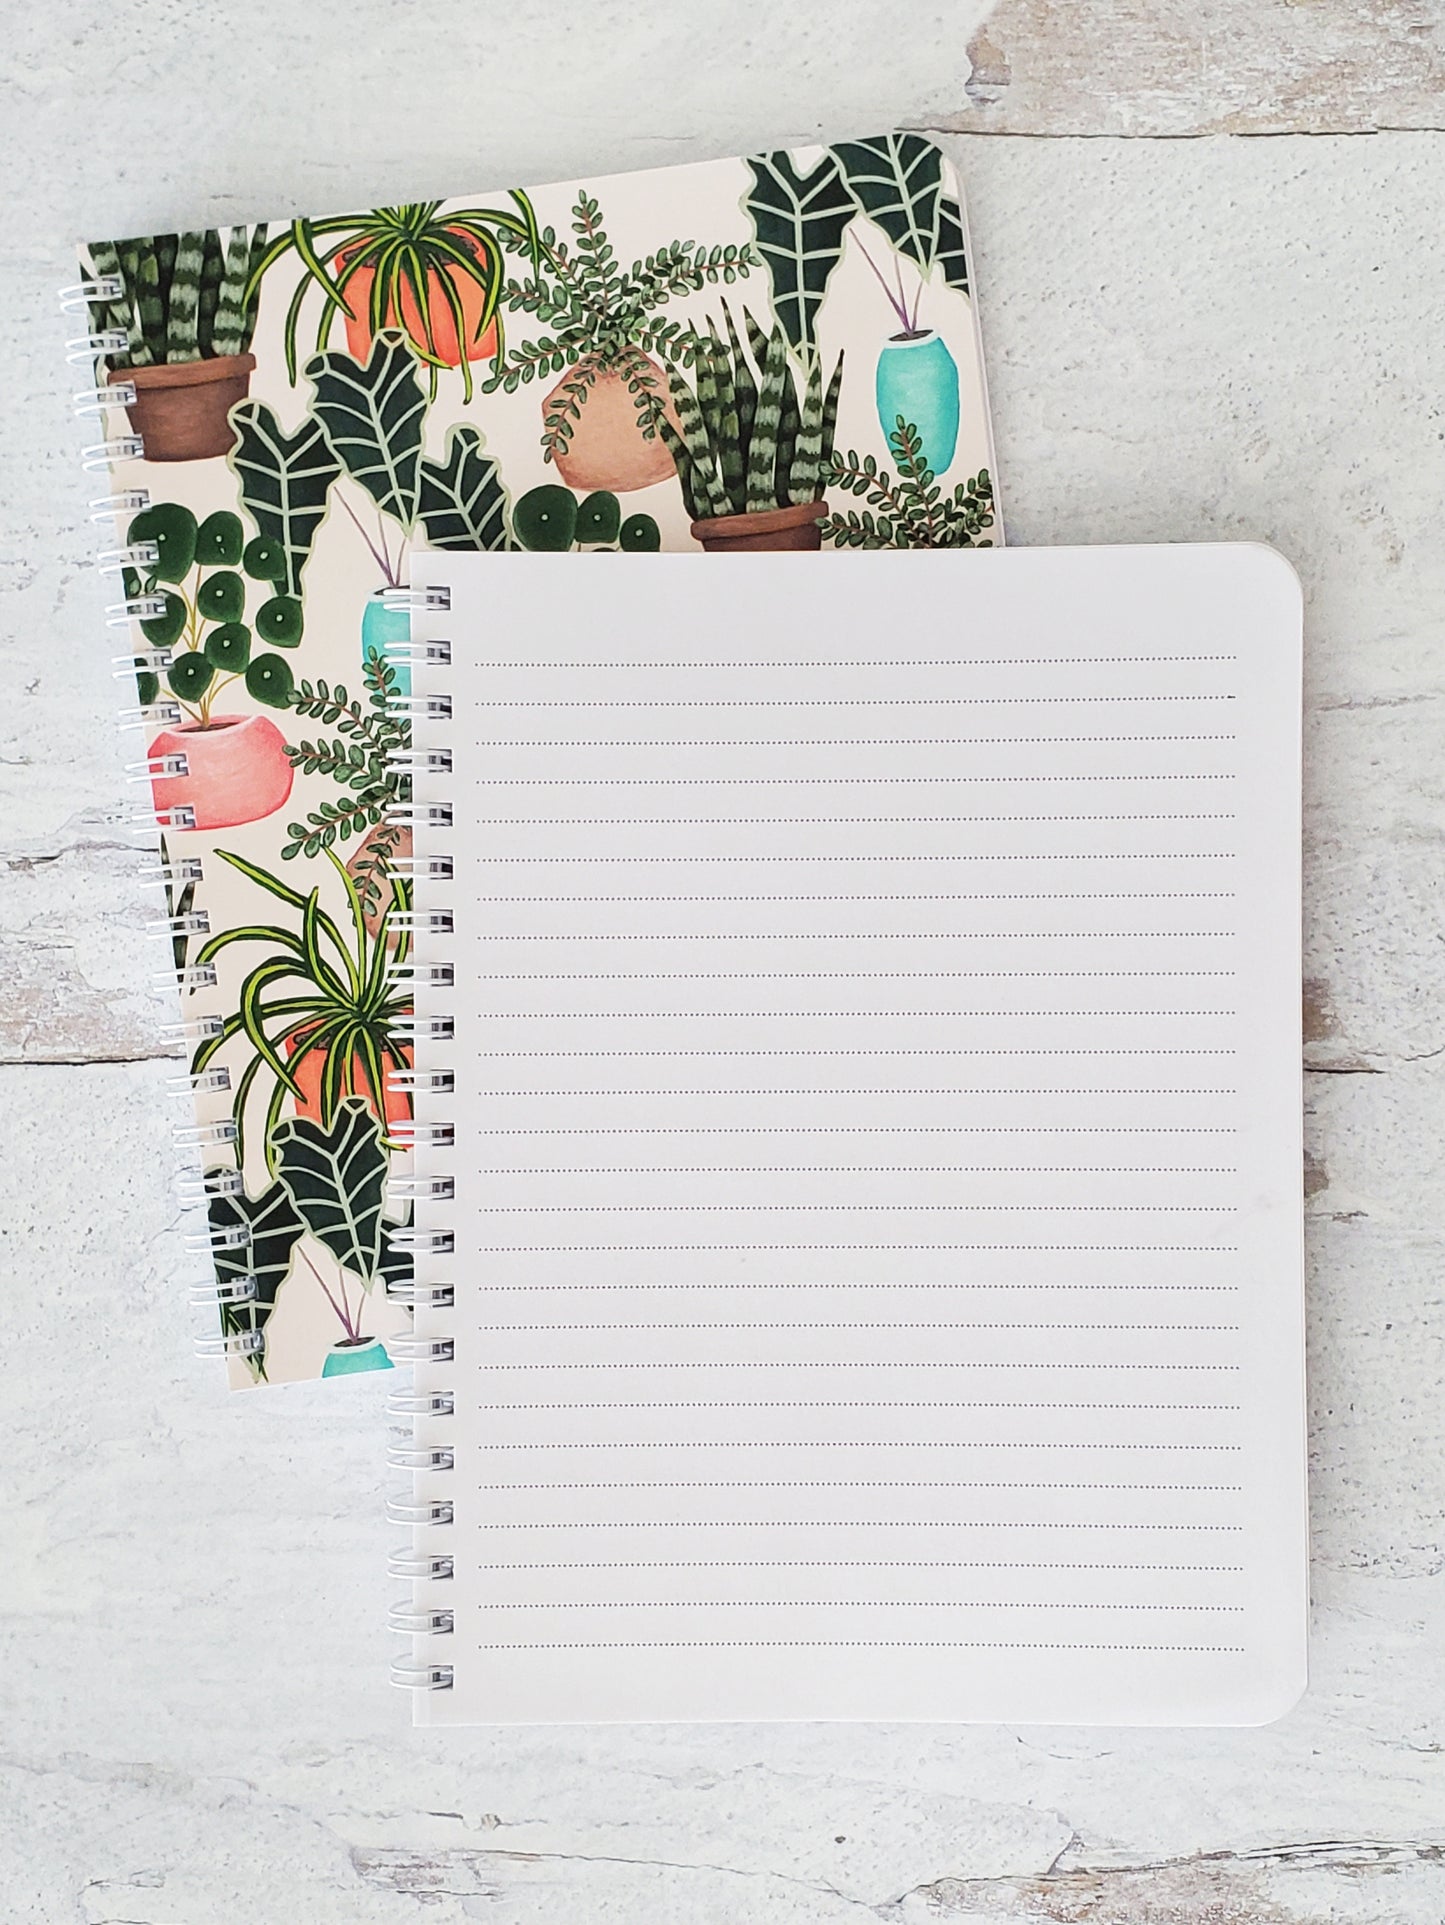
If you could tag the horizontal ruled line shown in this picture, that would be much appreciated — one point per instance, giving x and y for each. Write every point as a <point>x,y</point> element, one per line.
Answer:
<point>831,701</point>
<point>859,1364</point>
<point>847,1524</point>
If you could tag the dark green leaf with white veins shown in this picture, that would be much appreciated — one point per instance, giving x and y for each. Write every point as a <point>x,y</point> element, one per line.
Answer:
<point>799,221</point>
<point>285,480</point>
<point>275,1229</point>
<point>373,417</point>
<point>896,180</point>
<point>337,1180</point>
<point>463,502</point>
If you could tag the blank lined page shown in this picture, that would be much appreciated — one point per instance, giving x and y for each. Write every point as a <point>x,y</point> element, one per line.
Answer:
<point>877,1137</point>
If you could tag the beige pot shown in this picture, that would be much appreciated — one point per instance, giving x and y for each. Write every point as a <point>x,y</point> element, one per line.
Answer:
<point>607,448</point>
<point>181,408</point>
<point>791,528</point>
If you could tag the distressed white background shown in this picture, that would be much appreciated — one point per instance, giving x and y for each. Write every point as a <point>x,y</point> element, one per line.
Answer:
<point>1215,336</point>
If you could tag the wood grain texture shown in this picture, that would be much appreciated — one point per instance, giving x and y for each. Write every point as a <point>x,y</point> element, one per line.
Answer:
<point>1186,339</point>
<point>1177,69</point>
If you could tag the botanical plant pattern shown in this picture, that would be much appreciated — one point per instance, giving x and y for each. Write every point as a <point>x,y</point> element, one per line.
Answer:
<point>912,511</point>
<point>505,372</point>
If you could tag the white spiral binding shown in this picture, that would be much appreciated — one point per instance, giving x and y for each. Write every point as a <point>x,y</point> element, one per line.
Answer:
<point>110,514</point>
<point>428,1452</point>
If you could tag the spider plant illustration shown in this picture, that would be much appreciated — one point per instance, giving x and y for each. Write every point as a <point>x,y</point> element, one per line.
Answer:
<point>320,1009</point>
<point>436,276</point>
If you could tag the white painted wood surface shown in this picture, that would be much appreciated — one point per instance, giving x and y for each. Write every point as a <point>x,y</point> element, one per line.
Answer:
<point>1213,337</point>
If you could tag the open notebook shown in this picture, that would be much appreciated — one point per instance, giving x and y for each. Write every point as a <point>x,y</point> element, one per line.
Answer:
<point>863,1000</point>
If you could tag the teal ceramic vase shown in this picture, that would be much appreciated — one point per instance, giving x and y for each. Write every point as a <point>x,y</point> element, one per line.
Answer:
<point>354,1354</point>
<point>380,627</point>
<point>918,379</point>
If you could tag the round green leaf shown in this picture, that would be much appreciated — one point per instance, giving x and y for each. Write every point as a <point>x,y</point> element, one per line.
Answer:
<point>219,540</point>
<point>222,597</point>
<point>147,686</point>
<point>599,517</point>
<point>269,680</point>
<point>229,647</point>
<point>279,621</point>
<point>545,519</point>
<point>264,560</point>
<point>190,675</point>
<point>173,530</point>
<point>161,630</point>
<point>639,535</point>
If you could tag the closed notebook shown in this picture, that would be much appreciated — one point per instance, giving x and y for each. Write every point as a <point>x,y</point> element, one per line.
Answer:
<point>859,1241</point>
<point>773,352</point>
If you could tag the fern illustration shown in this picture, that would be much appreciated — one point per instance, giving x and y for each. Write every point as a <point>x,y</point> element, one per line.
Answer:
<point>355,758</point>
<point>909,509</point>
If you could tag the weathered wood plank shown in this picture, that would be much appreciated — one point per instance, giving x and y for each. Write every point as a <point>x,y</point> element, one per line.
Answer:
<point>1174,68</point>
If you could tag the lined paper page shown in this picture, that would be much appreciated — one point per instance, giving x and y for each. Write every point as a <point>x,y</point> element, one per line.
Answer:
<point>877,1137</point>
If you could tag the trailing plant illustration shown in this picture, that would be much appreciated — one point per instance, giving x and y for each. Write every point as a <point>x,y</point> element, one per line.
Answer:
<point>319,1010</point>
<point>367,734</point>
<point>436,276</point>
<point>909,509</point>
<point>749,442</point>
<point>602,327</point>
<point>551,520</point>
<point>207,574</point>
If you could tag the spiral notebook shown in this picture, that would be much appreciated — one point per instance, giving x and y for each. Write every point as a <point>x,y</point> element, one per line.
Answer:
<point>772,352</point>
<point>858,1244</point>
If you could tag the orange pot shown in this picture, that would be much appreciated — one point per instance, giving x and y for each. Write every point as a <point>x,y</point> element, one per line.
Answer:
<point>306,1064</point>
<point>237,770</point>
<point>607,448</point>
<point>445,346</point>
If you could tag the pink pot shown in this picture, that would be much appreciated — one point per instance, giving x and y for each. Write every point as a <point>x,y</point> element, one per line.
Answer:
<point>237,770</point>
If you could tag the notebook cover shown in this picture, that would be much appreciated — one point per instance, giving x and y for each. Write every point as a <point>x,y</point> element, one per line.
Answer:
<point>777,352</point>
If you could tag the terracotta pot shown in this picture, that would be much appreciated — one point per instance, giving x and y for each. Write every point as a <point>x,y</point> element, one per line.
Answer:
<point>181,408</point>
<point>607,449</point>
<point>306,1066</point>
<point>796,527</point>
<point>445,345</point>
<point>238,770</point>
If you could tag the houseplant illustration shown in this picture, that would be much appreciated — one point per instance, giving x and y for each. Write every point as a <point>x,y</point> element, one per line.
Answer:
<point>372,416</point>
<point>317,1014</point>
<point>602,331</point>
<point>751,451</point>
<point>187,309</point>
<point>909,509</point>
<point>551,520</point>
<point>334,1174</point>
<point>435,276</point>
<point>221,596</point>
<point>897,181</point>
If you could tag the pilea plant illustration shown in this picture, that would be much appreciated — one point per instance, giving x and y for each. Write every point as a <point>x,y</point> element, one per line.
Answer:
<point>602,327</point>
<point>329,1185</point>
<point>551,520</point>
<point>319,1010</point>
<point>220,595</point>
<point>909,509</point>
<point>368,733</point>
<point>182,319</point>
<point>751,451</point>
<point>435,276</point>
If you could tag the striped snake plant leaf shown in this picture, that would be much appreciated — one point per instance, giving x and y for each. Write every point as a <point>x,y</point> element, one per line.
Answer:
<point>183,310</point>
<point>745,387</point>
<point>336,1179</point>
<point>285,480</point>
<point>799,220</point>
<point>141,264</point>
<point>229,332</point>
<point>805,471</point>
<point>462,502</point>
<point>897,180</point>
<point>213,268</point>
<point>707,496</point>
<point>372,417</point>
<point>105,263</point>
<point>731,455</point>
<point>763,449</point>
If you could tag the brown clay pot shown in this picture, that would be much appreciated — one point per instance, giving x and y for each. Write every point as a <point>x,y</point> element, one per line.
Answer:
<point>793,528</point>
<point>180,407</point>
<point>607,448</point>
